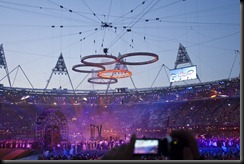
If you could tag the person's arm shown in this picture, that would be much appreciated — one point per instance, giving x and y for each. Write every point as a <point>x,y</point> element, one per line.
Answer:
<point>190,150</point>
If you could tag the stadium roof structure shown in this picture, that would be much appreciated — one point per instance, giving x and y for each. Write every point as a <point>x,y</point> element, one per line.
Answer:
<point>183,58</point>
<point>45,29</point>
<point>3,62</point>
<point>60,68</point>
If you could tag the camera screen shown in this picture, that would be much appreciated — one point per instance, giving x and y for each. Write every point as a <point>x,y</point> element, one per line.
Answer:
<point>146,147</point>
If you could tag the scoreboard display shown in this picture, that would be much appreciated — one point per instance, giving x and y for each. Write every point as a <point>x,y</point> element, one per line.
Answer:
<point>184,73</point>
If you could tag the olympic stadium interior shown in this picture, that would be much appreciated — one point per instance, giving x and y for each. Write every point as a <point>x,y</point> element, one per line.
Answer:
<point>62,123</point>
<point>211,108</point>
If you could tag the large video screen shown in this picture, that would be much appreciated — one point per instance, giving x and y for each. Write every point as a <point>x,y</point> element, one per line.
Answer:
<point>184,73</point>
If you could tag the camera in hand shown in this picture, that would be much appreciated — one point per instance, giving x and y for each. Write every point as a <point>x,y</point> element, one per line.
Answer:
<point>168,147</point>
<point>147,146</point>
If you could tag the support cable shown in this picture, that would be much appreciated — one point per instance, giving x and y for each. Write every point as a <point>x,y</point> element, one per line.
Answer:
<point>15,76</point>
<point>26,77</point>
<point>129,11</point>
<point>236,52</point>
<point>82,81</point>
<point>8,74</point>
<point>91,11</point>
<point>166,72</point>
<point>123,33</point>
<point>157,75</point>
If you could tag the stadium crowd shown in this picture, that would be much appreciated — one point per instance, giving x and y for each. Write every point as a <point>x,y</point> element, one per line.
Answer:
<point>210,112</point>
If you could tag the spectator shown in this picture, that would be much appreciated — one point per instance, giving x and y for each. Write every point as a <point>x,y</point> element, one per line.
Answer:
<point>189,152</point>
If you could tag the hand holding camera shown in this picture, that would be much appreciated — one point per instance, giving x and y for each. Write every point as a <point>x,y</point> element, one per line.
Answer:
<point>179,145</point>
